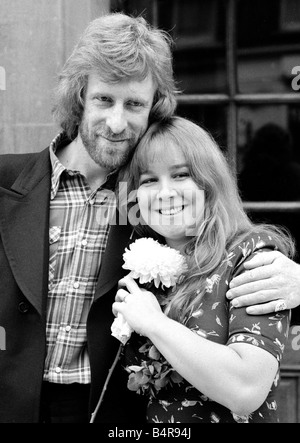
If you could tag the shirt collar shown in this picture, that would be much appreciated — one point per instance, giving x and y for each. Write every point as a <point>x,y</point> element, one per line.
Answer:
<point>59,142</point>
<point>57,167</point>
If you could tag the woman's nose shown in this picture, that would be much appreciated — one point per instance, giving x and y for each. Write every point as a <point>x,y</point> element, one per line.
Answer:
<point>166,191</point>
<point>116,120</point>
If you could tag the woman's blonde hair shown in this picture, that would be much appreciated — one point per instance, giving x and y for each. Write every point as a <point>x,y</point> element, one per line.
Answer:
<point>116,47</point>
<point>225,222</point>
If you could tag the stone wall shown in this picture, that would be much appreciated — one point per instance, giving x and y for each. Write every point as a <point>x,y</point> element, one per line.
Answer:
<point>36,37</point>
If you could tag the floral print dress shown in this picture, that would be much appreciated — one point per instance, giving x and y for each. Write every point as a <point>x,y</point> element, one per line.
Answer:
<point>174,400</point>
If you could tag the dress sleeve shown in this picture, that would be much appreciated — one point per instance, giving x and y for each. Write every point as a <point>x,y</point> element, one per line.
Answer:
<point>269,332</point>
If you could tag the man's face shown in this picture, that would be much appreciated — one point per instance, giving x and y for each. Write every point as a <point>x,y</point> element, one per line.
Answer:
<point>115,117</point>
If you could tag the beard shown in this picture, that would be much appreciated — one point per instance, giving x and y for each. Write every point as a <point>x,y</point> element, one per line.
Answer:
<point>105,148</point>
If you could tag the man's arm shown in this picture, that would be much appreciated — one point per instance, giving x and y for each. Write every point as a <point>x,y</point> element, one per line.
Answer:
<point>271,278</point>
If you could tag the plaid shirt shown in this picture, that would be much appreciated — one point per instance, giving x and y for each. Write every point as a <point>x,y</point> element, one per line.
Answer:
<point>78,235</point>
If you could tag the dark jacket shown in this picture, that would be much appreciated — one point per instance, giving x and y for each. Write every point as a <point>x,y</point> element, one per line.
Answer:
<point>25,182</point>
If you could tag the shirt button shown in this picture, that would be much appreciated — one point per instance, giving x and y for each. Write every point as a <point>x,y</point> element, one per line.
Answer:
<point>84,242</point>
<point>58,370</point>
<point>68,328</point>
<point>92,202</point>
<point>23,307</point>
<point>76,285</point>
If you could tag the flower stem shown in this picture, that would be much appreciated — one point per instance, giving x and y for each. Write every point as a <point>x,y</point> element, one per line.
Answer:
<point>110,372</point>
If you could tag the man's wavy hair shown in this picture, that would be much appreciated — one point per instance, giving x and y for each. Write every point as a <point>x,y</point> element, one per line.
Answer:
<point>117,47</point>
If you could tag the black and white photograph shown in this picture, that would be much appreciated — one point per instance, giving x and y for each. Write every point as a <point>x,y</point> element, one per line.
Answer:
<point>149,214</point>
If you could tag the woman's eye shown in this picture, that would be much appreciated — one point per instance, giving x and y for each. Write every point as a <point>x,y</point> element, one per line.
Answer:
<point>182,175</point>
<point>146,181</point>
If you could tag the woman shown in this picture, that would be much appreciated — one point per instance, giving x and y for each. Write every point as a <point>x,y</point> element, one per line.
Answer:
<point>202,360</point>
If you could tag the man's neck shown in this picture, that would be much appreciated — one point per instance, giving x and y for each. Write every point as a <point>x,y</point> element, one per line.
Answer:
<point>75,157</point>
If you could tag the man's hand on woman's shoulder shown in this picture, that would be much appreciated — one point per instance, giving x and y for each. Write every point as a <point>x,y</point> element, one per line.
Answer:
<point>271,283</point>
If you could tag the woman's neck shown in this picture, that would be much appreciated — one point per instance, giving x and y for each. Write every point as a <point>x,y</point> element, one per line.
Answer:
<point>179,245</point>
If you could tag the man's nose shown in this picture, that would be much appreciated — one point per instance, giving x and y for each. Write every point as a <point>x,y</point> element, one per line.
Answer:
<point>116,119</point>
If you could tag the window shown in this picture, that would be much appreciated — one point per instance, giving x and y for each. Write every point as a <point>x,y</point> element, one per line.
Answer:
<point>290,16</point>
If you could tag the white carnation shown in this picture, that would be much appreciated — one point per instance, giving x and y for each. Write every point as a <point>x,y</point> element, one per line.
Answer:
<point>149,261</point>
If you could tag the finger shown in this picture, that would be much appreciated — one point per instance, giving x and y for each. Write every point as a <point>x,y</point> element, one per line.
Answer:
<point>252,288</point>
<point>265,308</point>
<point>262,259</point>
<point>130,284</point>
<point>281,305</point>
<point>117,308</point>
<point>255,298</point>
<point>261,273</point>
<point>121,295</point>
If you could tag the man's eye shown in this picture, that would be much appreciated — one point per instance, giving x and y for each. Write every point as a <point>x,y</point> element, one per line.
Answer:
<point>135,104</point>
<point>103,99</point>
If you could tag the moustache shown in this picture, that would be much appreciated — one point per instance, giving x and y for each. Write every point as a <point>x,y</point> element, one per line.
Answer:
<point>109,135</point>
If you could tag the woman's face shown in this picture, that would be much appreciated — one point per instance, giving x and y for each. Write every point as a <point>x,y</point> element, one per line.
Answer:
<point>170,201</point>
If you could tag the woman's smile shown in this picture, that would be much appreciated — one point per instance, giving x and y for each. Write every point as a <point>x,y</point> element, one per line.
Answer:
<point>172,211</point>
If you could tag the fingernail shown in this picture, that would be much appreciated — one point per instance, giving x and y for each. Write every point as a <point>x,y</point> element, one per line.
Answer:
<point>235,303</point>
<point>229,295</point>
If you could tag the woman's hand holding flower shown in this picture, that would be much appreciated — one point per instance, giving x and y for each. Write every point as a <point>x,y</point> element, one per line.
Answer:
<point>148,261</point>
<point>139,307</point>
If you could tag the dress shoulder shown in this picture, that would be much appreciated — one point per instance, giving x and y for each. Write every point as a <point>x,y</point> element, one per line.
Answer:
<point>252,244</point>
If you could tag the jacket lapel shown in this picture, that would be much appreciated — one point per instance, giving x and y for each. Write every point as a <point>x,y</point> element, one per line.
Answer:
<point>111,268</point>
<point>24,225</point>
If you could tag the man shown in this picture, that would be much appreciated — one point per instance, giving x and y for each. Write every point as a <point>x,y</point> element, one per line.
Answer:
<point>60,260</point>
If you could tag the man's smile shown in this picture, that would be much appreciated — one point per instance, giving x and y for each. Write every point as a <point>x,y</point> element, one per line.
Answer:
<point>113,140</point>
